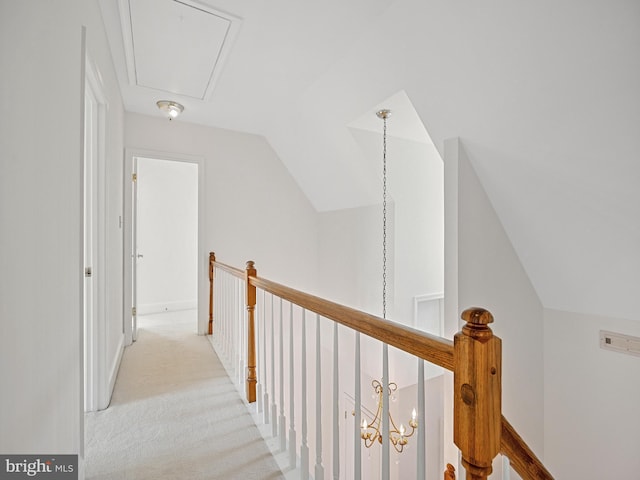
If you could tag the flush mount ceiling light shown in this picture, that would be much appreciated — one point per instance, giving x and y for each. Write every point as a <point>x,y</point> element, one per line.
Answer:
<point>172,109</point>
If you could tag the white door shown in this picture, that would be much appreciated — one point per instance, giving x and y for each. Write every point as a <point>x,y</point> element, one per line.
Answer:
<point>91,218</point>
<point>134,248</point>
<point>129,326</point>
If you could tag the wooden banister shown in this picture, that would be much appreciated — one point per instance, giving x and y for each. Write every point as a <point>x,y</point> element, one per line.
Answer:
<point>522,458</point>
<point>236,272</point>
<point>480,430</point>
<point>436,350</point>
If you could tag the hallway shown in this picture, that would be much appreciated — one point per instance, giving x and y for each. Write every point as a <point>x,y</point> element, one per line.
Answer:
<point>175,413</point>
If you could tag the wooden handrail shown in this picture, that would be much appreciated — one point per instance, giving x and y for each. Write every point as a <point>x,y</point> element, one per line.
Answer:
<point>436,350</point>
<point>236,272</point>
<point>522,458</point>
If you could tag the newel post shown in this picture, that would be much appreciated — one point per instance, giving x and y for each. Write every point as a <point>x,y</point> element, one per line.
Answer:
<point>251,335</point>
<point>477,393</point>
<point>212,261</point>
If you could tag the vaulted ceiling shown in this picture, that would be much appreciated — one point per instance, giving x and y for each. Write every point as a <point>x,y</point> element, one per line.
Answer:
<point>544,96</point>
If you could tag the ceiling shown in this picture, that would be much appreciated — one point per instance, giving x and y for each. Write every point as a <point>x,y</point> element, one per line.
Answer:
<point>544,96</point>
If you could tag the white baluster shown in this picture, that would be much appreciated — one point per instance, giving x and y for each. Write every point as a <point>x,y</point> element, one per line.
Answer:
<point>232,326</point>
<point>223,330</point>
<point>506,468</point>
<point>266,370</point>
<point>260,366</point>
<point>282,421</point>
<point>219,319</point>
<point>384,474</point>
<point>237,328</point>
<point>292,430</point>
<point>304,447</point>
<point>357,449</point>
<point>244,335</point>
<point>231,316</point>
<point>216,300</point>
<point>227,320</point>
<point>421,466</point>
<point>224,315</point>
<point>217,307</point>
<point>274,407</point>
<point>319,470</point>
<point>238,316</point>
<point>336,406</point>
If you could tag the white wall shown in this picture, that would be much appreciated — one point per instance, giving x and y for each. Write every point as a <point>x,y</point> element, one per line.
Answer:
<point>167,222</point>
<point>490,275</point>
<point>41,216</point>
<point>591,399</point>
<point>254,209</point>
<point>416,181</point>
<point>350,246</point>
<point>351,239</point>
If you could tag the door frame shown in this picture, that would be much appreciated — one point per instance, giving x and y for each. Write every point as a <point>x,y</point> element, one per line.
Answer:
<point>203,255</point>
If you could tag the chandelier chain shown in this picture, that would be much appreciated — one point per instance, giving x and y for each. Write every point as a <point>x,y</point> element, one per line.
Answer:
<point>384,219</point>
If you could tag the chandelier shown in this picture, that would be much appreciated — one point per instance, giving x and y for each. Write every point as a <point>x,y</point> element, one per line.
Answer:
<point>371,433</point>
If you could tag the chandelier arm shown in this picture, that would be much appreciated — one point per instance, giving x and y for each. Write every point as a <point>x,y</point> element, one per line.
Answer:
<point>398,448</point>
<point>395,427</point>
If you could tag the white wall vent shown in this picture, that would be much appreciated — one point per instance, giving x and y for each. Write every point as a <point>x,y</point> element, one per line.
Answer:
<point>620,343</point>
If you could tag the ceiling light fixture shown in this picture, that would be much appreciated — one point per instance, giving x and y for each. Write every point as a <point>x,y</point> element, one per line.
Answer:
<point>172,109</point>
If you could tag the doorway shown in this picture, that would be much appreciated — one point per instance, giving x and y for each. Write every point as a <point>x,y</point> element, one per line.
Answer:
<point>166,236</point>
<point>163,245</point>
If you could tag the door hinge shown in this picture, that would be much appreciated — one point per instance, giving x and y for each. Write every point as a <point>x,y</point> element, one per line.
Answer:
<point>133,311</point>
<point>134,177</point>
<point>88,271</point>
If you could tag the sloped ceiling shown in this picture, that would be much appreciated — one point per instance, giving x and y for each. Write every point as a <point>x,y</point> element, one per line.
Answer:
<point>544,96</point>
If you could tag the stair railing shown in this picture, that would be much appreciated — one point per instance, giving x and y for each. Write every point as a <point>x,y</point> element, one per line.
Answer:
<point>474,357</point>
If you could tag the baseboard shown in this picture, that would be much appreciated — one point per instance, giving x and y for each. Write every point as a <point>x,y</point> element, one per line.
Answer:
<point>150,308</point>
<point>115,367</point>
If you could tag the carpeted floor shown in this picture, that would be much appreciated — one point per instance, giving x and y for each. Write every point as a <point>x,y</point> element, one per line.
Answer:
<point>174,413</point>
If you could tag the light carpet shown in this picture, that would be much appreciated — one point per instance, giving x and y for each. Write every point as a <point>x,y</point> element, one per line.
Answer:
<point>174,414</point>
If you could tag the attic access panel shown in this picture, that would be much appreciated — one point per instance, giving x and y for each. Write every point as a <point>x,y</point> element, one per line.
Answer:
<point>177,46</point>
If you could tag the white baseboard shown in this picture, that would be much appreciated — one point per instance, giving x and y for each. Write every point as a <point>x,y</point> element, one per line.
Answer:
<point>113,373</point>
<point>150,308</point>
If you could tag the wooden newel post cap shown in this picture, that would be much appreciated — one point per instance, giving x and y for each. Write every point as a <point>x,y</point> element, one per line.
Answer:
<point>212,256</point>
<point>478,320</point>
<point>251,290</point>
<point>477,316</point>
